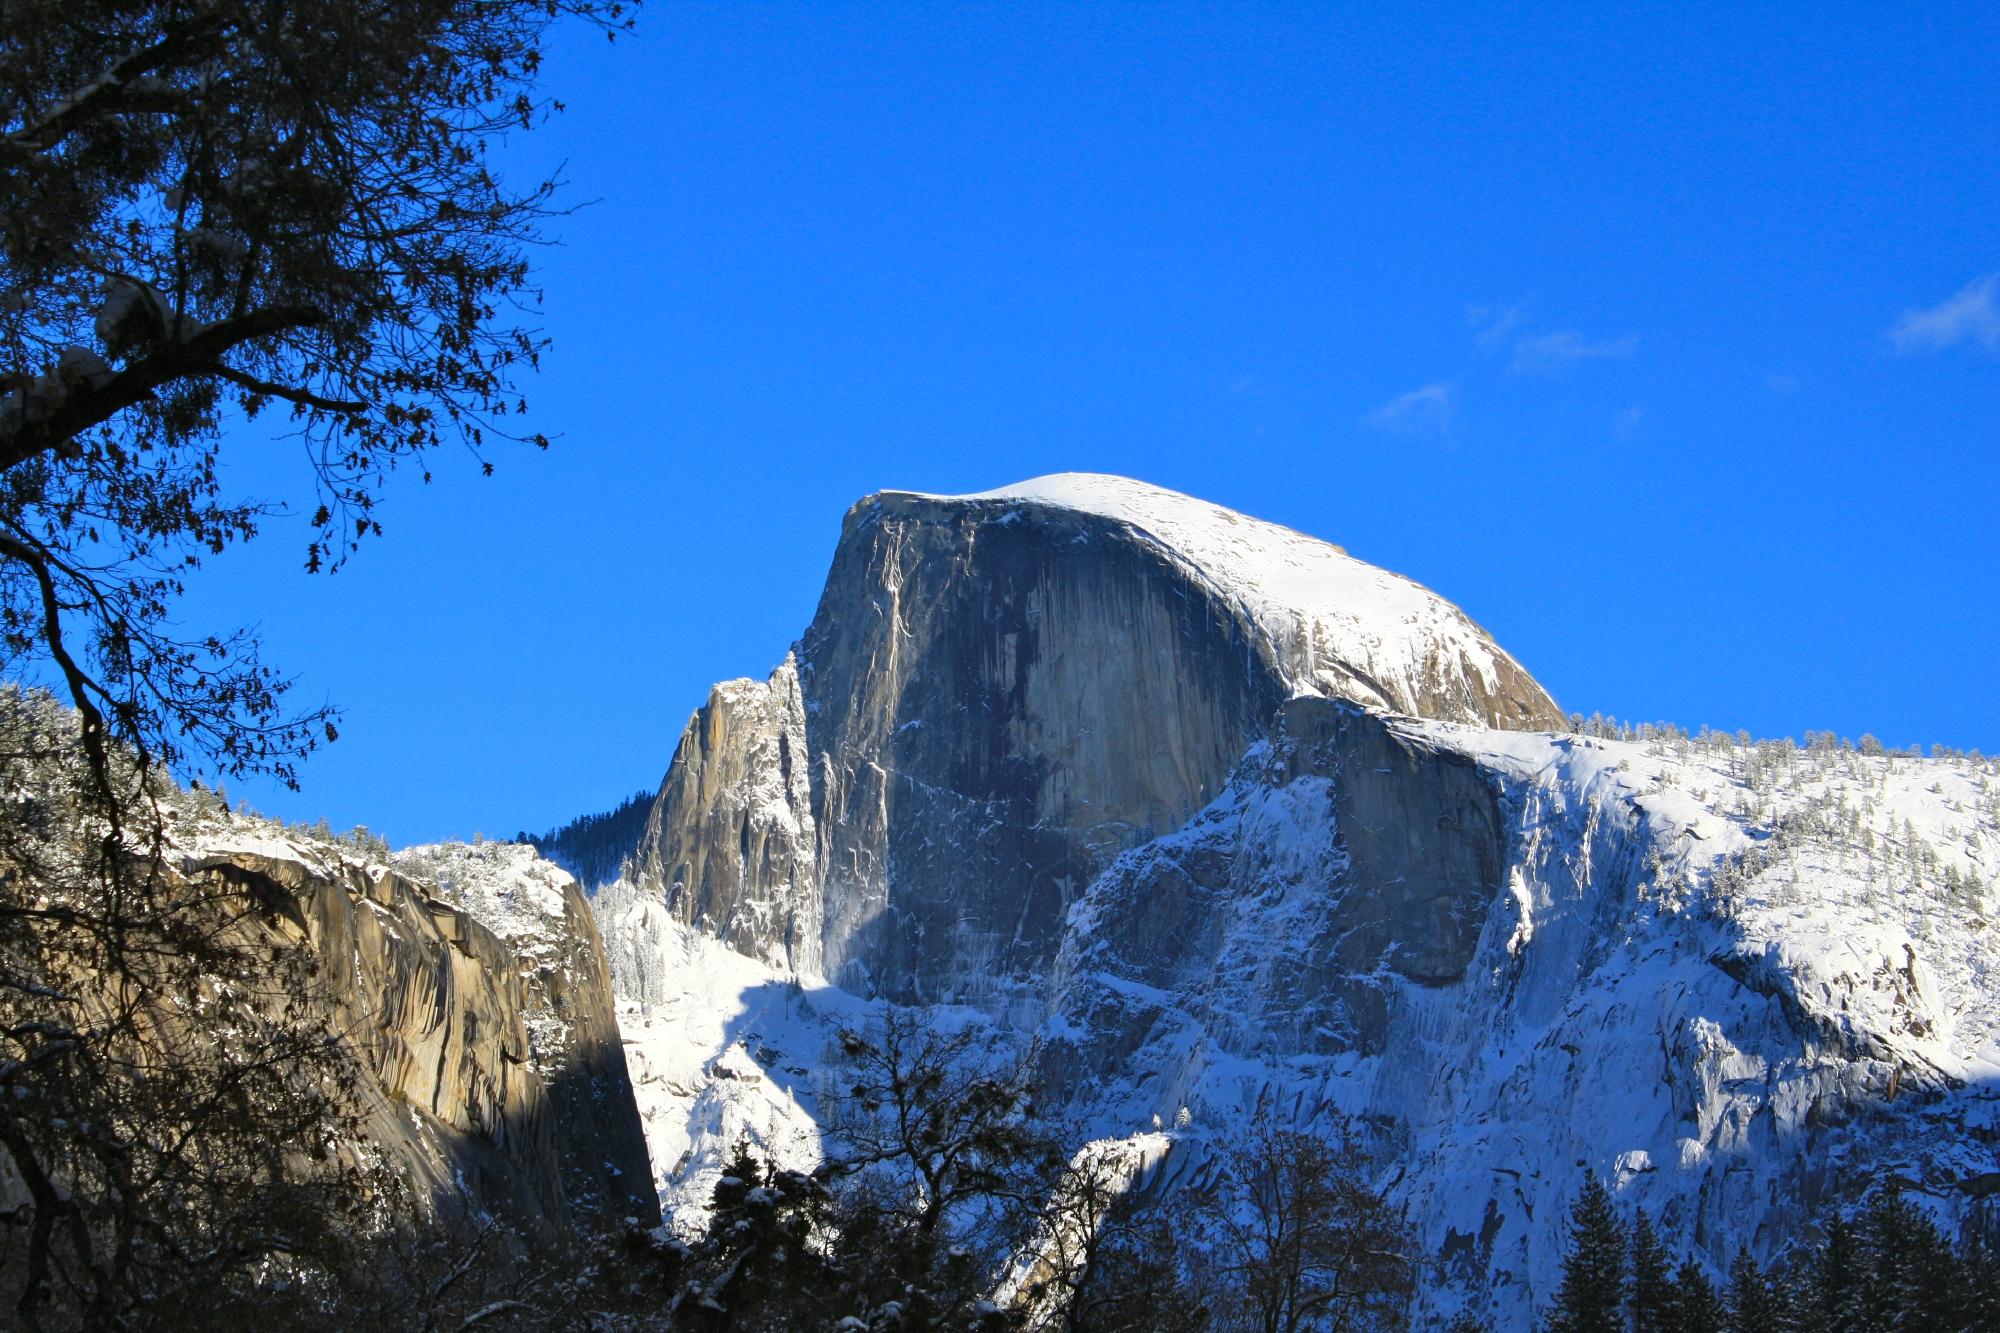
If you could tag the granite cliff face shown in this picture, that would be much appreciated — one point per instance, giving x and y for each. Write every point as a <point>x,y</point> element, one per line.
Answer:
<point>731,841</point>
<point>1509,954</point>
<point>479,1006</point>
<point>1343,860</point>
<point>999,694</point>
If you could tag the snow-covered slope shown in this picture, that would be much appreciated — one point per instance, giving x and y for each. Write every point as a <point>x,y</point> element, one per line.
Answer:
<point>1743,984</point>
<point>723,1049</point>
<point>1688,975</point>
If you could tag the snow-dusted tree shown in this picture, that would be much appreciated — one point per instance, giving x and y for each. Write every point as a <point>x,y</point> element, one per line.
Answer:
<point>1592,1296</point>
<point>219,207</point>
<point>942,1166</point>
<point>767,1259</point>
<point>1306,1242</point>
<point>1837,1281</point>
<point>1914,1278</point>
<point>1651,1280</point>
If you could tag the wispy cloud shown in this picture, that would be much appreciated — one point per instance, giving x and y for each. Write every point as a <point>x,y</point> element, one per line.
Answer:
<point>1969,316</point>
<point>1491,324</point>
<point>1548,353</point>
<point>1427,411</point>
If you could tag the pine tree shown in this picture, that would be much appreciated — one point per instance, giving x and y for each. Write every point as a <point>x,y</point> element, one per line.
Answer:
<point>1651,1285</point>
<point>1752,1306</point>
<point>1915,1280</point>
<point>1592,1296</point>
<point>1697,1309</point>
<point>1839,1282</point>
<point>1979,1263</point>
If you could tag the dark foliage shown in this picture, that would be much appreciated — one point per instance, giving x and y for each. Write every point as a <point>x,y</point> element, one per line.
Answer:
<point>1306,1243</point>
<point>219,206</point>
<point>1592,1297</point>
<point>1696,1308</point>
<point>952,1207</point>
<point>595,848</point>
<point>175,1112</point>
<point>215,208</point>
<point>1651,1289</point>
<point>910,1229</point>
<point>1890,1268</point>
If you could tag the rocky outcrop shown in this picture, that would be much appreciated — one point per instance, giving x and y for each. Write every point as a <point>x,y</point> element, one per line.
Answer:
<point>566,1005</point>
<point>1344,859</point>
<point>1001,693</point>
<point>1509,955</point>
<point>494,1075</point>
<point>730,843</point>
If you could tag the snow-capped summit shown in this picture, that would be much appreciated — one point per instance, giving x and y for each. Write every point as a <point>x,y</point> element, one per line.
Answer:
<point>1331,624</point>
<point>1047,675</point>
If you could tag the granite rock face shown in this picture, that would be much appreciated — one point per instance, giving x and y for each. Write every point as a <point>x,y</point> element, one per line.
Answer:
<point>1226,826</point>
<point>566,1005</point>
<point>1001,693</point>
<point>1345,860</point>
<point>1347,863</point>
<point>1510,954</point>
<point>730,843</point>
<point>494,1075</point>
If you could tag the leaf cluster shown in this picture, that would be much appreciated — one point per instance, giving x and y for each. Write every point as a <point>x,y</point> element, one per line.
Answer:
<point>215,208</point>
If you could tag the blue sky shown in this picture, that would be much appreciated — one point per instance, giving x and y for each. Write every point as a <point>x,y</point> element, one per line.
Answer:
<point>1664,341</point>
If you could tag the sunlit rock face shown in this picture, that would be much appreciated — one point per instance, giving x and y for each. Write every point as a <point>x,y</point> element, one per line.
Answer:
<point>731,843</point>
<point>995,708</point>
<point>563,999</point>
<point>999,694</point>
<point>479,1006</point>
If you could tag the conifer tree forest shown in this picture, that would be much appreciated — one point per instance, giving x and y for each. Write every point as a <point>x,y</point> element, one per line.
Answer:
<point>1887,1267</point>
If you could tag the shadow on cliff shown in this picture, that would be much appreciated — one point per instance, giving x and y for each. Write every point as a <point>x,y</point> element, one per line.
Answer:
<point>555,1181</point>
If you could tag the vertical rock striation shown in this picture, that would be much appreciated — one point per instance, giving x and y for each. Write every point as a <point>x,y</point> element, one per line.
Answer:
<point>480,1010</point>
<point>1001,693</point>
